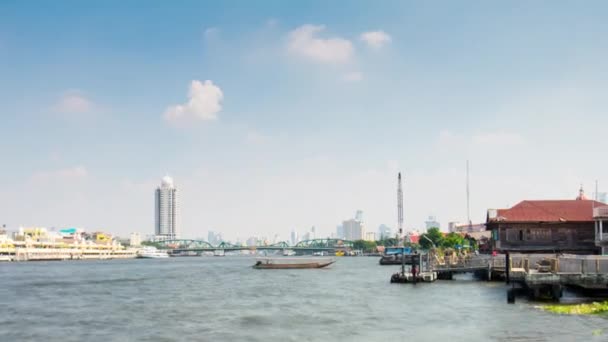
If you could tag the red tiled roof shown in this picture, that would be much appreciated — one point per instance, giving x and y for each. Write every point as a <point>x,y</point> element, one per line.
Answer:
<point>548,211</point>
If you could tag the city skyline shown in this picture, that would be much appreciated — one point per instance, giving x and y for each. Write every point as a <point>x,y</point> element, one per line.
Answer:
<point>275,116</point>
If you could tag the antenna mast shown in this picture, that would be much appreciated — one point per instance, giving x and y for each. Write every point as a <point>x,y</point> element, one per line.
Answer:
<point>400,207</point>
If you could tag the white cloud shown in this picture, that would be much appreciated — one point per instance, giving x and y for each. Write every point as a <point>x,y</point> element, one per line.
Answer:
<point>498,138</point>
<point>353,76</point>
<point>255,137</point>
<point>376,39</point>
<point>272,23</point>
<point>204,103</point>
<point>303,41</point>
<point>67,174</point>
<point>211,32</point>
<point>74,101</point>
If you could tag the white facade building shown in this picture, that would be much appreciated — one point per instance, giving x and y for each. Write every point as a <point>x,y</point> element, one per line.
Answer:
<point>135,240</point>
<point>167,211</point>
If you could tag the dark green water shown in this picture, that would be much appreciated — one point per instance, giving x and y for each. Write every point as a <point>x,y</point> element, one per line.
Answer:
<point>224,299</point>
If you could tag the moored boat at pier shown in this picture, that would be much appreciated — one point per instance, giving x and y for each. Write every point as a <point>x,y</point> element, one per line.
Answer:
<point>152,253</point>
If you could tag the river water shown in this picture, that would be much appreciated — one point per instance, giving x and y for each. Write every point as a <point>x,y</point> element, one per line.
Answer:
<point>224,299</point>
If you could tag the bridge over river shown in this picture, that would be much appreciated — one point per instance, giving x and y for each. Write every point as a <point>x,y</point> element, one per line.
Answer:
<point>302,247</point>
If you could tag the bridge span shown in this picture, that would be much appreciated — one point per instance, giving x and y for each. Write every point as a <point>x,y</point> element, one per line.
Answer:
<point>302,247</point>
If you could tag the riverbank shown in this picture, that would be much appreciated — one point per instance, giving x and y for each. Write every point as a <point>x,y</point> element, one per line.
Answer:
<point>66,253</point>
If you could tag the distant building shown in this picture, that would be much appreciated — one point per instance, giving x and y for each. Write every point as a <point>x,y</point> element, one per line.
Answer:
<point>370,236</point>
<point>135,240</point>
<point>384,232</point>
<point>353,230</point>
<point>252,241</point>
<point>432,223</point>
<point>359,215</point>
<point>294,238</point>
<point>567,226</point>
<point>453,226</point>
<point>167,213</point>
<point>214,238</point>
<point>340,232</point>
<point>467,228</point>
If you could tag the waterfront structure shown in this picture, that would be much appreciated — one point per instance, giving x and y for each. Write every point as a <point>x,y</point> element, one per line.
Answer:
<point>135,240</point>
<point>167,211</point>
<point>432,223</point>
<point>545,226</point>
<point>600,216</point>
<point>384,232</point>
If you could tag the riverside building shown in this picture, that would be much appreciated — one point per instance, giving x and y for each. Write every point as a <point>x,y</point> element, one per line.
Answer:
<point>167,211</point>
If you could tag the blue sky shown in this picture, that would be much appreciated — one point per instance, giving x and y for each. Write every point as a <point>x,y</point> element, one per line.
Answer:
<point>310,110</point>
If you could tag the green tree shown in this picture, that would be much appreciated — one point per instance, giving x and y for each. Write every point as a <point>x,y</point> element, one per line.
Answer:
<point>435,237</point>
<point>388,242</point>
<point>453,240</point>
<point>366,246</point>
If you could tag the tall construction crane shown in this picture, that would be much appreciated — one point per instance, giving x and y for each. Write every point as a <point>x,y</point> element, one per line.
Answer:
<point>400,207</point>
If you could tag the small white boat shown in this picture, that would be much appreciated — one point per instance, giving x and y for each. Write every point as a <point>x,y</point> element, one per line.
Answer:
<point>152,253</point>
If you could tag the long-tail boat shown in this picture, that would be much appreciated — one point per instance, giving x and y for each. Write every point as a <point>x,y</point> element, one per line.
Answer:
<point>289,264</point>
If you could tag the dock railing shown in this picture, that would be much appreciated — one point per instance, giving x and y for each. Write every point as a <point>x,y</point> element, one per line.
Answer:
<point>558,264</point>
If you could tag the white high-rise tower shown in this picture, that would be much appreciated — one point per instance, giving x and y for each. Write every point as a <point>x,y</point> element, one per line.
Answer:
<point>166,218</point>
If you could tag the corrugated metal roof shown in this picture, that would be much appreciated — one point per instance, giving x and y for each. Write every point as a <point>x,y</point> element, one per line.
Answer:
<point>548,211</point>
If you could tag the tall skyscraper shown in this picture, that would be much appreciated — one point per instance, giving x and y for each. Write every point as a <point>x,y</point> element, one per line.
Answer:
<point>294,238</point>
<point>339,232</point>
<point>353,230</point>
<point>359,215</point>
<point>166,218</point>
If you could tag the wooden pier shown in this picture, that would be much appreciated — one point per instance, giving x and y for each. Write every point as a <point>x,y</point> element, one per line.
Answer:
<point>540,276</point>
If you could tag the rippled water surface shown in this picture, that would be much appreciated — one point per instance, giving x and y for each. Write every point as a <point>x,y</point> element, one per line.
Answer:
<point>224,299</point>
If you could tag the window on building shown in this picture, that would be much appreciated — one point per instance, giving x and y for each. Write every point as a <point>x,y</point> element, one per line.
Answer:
<point>521,235</point>
<point>541,234</point>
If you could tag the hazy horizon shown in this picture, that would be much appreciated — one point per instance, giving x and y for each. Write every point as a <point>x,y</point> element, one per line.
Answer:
<point>274,116</point>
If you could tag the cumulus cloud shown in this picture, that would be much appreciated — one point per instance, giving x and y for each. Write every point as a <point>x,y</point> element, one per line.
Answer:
<point>376,39</point>
<point>353,76</point>
<point>498,138</point>
<point>211,32</point>
<point>67,174</point>
<point>74,101</point>
<point>304,41</point>
<point>254,137</point>
<point>204,103</point>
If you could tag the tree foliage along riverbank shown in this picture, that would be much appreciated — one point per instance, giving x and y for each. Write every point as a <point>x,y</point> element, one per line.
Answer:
<point>435,238</point>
